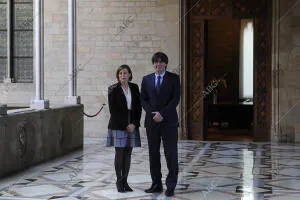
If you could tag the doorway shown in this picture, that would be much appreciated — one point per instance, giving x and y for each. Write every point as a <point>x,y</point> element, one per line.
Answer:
<point>228,72</point>
<point>213,31</point>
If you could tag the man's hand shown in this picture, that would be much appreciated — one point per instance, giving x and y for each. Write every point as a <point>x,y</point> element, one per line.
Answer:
<point>157,117</point>
<point>130,128</point>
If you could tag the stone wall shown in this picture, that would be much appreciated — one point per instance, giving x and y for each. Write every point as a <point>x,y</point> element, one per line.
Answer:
<point>28,137</point>
<point>17,94</point>
<point>288,71</point>
<point>110,33</point>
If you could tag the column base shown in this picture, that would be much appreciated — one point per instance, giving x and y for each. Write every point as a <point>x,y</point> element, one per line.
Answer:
<point>3,109</point>
<point>39,104</point>
<point>72,100</point>
<point>8,80</point>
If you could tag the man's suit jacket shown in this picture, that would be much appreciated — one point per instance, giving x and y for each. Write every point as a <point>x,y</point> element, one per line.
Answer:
<point>165,102</point>
<point>118,106</point>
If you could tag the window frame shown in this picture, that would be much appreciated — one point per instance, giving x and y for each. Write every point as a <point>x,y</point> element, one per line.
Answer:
<point>11,30</point>
<point>5,29</point>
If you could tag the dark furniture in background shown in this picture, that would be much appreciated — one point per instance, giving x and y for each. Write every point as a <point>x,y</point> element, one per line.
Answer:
<point>238,116</point>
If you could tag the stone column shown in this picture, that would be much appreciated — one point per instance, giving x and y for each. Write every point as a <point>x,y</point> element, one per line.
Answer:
<point>275,127</point>
<point>72,98</point>
<point>183,109</point>
<point>39,102</point>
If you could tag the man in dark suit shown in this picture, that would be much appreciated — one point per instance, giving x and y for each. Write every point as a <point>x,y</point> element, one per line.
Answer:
<point>160,94</point>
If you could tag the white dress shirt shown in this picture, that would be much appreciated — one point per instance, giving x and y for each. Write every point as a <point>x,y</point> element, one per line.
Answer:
<point>128,97</point>
<point>161,78</point>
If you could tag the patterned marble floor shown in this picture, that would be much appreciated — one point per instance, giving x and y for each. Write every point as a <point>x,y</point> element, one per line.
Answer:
<point>208,170</point>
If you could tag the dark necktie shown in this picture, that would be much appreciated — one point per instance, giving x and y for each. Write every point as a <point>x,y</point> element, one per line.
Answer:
<point>158,85</point>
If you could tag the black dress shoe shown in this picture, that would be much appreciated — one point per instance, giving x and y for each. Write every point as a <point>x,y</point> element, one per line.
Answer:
<point>120,187</point>
<point>121,190</point>
<point>154,188</point>
<point>169,193</point>
<point>127,188</point>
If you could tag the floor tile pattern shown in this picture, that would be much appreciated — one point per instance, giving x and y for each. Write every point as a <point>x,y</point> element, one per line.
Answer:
<point>208,170</point>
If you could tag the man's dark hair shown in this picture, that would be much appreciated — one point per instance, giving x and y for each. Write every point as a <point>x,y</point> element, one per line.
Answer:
<point>121,68</point>
<point>160,56</point>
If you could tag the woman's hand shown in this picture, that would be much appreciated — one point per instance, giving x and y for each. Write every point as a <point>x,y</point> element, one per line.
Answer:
<point>130,128</point>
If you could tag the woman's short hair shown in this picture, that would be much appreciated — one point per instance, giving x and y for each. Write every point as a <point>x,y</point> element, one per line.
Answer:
<point>160,56</point>
<point>121,68</point>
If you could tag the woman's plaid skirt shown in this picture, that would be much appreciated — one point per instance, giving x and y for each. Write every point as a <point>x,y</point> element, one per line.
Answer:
<point>120,138</point>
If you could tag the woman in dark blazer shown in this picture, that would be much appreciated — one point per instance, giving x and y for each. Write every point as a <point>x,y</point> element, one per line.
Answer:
<point>123,128</point>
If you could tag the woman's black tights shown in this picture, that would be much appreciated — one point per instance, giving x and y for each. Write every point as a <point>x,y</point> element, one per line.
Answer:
<point>122,166</point>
